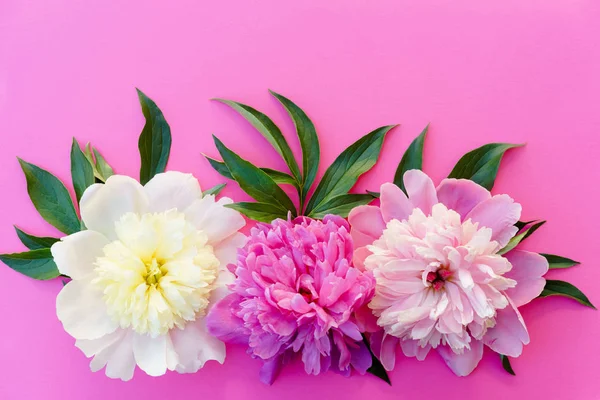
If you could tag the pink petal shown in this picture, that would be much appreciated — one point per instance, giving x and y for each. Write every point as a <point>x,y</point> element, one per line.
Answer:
<point>528,270</point>
<point>223,324</point>
<point>411,348</point>
<point>367,225</point>
<point>498,213</point>
<point>509,335</point>
<point>461,195</point>
<point>358,259</point>
<point>384,348</point>
<point>420,189</point>
<point>462,364</point>
<point>394,203</point>
<point>270,370</point>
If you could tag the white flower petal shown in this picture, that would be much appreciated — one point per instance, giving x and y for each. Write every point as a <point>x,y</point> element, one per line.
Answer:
<point>150,353</point>
<point>217,221</point>
<point>75,254</point>
<point>226,250</point>
<point>194,346</point>
<point>172,189</point>
<point>113,351</point>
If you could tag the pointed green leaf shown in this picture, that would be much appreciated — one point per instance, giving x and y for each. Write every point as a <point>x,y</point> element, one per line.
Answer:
<point>215,190</point>
<point>562,288</point>
<point>51,198</point>
<point>512,243</point>
<point>341,205</point>
<point>357,159</point>
<point>105,171</point>
<point>376,367</point>
<point>254,181</point>
<point>375,195</point>
<point>506,364</point>
<point>520,224</point>
<point>219,166</point>
<point>155,140</point>
<point>37,264</point>
<point>557,262</point>
<point>481,165</point>
<point>278,176</point>
<point>82,172</point>
<point>269,130</point>
<point>412,159</point>
<point>35,242</point>
<point>261,212</point>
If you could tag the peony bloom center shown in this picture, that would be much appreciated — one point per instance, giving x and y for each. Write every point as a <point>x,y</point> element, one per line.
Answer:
<point>158,274</point>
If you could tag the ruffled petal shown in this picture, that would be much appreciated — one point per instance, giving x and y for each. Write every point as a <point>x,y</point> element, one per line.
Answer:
<point>103,205</point>
<point>226,250</point>
<point>462,364</point>
<point>509,334</point>
<point>115,351</point>
<point>420,190</point>
<point>222,323</point>
<point>194,346</point>
<point>367,225</point>
<point>172,189</point>
<point>384,347</point>
<point>212,217</point>
<point>528,270</point>
<point>461,195</point>
<point>394,203</point>
<point>151,353</point>
<point>499,213</point>
<point>411,348</point>
<point>75,254</point>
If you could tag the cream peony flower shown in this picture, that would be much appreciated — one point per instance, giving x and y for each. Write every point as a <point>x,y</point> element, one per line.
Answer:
<point>145,273</point>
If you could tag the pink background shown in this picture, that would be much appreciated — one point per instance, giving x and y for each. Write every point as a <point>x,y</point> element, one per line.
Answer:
<point>514,71</point>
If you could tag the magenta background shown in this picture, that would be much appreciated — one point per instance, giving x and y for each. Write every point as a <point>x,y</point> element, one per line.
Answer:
<point>514,71</point>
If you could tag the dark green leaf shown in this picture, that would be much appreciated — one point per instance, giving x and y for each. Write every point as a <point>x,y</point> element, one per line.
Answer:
<point>341,205</point>
<point>35,242</point>
<point>219,166</point>
<point>254,181</point>
<point>525,233</point>
<point>82,172</point>
<point>412,159</point>
<point>50,198</point>
<point>155,140</point>
<point>215,190</point>
<point>375,195</point>
<point>562,288</point>
<point>309,142</point>
<point>520,224</point>
<point>357,159</point>
<point>506,364</point>
<point>277,176</point>
<point>269,130</point>
<point>481,165</point>
<point>261,212</point>
<point>556,262</point>
<point>37,264</point>
<point>376,367</point>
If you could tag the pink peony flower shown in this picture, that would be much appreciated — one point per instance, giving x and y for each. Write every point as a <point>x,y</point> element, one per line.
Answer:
<point>440,281</point>
<point>296,291</point>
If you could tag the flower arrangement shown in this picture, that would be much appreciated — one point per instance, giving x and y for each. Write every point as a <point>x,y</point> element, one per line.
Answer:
<point>157,274</point>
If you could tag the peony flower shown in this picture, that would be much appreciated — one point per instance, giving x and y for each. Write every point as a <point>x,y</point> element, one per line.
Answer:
<point>440,281</point>
<point>296,291</point>
<point>145,273</point>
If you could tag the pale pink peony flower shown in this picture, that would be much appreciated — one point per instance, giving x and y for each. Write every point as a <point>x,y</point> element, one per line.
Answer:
<point>440,282</point>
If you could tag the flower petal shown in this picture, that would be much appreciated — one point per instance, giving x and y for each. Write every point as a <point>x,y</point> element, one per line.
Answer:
<point>151,353</point>
<point>461,195</point>
<point>394,203</point>
<point>82,311</point>
<point>75,254</point>
<point>420,190</point>
<point>499,213</point>
<point>194,346</point>
<point>222,323</point>
<point>103,205</point>
<point>213,218</point>
<point>115,351</point>
<point>172,189</point>
<point>462,364</point>
<point>411,348</point>
<point>367,225</point>
<point>509,334</point>
<point>528,270</point>
<point>271,369</point>
<point>226,250</point>
<point>384,348</point>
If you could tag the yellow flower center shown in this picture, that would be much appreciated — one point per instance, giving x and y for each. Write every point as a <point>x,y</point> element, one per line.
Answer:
<point>158,274</point>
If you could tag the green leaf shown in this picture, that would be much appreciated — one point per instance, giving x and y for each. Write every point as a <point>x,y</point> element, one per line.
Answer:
<point>269,130</point>
<point>255,182</point>
<point>104,170</point>
<point>309,142</point>
<point>357,159</point>
<point>35,242</point>
<point>155,140</point>
<point>219,166</point>
<point>261,212</point>
<point>562,288</point>
<point>215,190</point>
<point>375,195</point>
<point>558,262</point>
<point>481,165</point>
<point>341,205</point>
<point>520,224</point>
<point>277,176</point>
<point>37,264</point>
<point>376,367</point>
<point>50,198</point>
<point>506,364</point>
<point>82,172</point>
<point>512,243</point>
<point>412,159</point>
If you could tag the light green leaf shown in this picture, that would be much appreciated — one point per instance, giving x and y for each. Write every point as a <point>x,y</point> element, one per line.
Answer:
<point>155,140</point>
<point>261,212</point>
<point>35,242</point>
<point>357,159</point>
<point>277,176</point>
<point>341,205</point>
<point>481,165</point>
<point>215,190</point>
<point>37,264</point>
<point>506,364</point>
<point>562,288</point>
<point>412,159</point>
<point>82,172</point>
<point>50,198</point>
<point>269,130</point>
<point>255,182</point>
<point>512,243</point>
<point>104,170</point>
<point>557,262</point>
